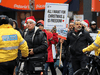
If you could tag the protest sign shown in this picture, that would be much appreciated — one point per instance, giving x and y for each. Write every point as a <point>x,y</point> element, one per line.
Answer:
<point>55,15</point>
<point>78,17</point>
<point>62,33</point>
<point>70,14</point>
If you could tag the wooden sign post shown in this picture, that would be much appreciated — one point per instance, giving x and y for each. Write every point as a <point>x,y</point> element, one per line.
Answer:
<point>60,54</point>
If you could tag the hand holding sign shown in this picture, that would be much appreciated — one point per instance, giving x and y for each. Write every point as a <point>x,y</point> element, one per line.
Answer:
<point>61,40</point>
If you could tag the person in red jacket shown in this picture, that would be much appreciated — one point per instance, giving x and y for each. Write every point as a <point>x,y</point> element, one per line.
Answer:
<point>51,39</point>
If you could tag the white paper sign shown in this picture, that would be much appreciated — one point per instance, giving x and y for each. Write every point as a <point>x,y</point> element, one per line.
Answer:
<point>78,17</point>
<point>55,15</point>
<point>93,35</point>
<point>70,14</point>
<point>63,32</point>
<point>53,51</point>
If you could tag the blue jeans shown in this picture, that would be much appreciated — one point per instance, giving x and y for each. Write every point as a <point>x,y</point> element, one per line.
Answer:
<point>16,70</point>
<point>65,67</point>
<point>70,68</point>
<point>46,68</point>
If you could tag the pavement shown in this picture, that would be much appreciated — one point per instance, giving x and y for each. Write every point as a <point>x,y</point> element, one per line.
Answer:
<point>57,71</point>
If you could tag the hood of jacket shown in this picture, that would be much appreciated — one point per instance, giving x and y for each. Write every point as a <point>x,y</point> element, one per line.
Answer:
<point>16,25</point>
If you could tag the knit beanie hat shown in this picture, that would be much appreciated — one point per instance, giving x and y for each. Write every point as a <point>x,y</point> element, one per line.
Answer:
<point>85,22</point>
<point>4,19</point>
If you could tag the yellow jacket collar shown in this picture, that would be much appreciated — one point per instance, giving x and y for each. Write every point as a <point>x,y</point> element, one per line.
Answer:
<point>5,26</point>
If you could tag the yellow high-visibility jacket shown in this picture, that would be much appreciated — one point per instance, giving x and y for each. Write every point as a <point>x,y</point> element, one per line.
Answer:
<point>10,41</point>
<point>94,46</point>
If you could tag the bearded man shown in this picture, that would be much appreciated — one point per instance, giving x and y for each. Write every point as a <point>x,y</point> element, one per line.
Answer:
<point>77,40</point>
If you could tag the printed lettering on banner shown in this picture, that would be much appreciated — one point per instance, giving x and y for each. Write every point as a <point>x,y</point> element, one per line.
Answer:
<point>55,15</point>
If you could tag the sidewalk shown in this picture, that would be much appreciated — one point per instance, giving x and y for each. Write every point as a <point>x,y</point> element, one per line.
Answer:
<point>57,71</point>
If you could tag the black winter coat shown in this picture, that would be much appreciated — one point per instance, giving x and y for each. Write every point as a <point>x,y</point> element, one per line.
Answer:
<point>39,43</point>
<point>65,51</point>
<point>78,42</point>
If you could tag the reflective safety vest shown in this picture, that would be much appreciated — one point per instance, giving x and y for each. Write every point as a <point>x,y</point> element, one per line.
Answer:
<point>94,46</point>
<point>10,41</point>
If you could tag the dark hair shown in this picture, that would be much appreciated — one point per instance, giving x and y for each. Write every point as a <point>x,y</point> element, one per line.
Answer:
<point>4,19</point>
<point>11,21</point>
<point>76,20</point>
<point>71,19</point>
<point>39,24</point>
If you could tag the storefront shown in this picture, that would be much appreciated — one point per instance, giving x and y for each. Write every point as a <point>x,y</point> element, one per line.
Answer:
<point>19,9</point>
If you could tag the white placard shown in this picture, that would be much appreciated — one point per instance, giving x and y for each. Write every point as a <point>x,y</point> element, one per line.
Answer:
<point>55,15</point>
<point>93,35</point>
<point>53,51</point>
<point>63,32</point>
<point>78,17</point>
<point>70,14</point>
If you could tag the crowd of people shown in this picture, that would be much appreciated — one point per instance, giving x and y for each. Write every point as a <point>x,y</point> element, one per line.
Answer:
<point>35,41</point>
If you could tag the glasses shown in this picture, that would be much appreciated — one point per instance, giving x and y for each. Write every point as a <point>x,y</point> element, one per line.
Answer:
<point>29,22</point>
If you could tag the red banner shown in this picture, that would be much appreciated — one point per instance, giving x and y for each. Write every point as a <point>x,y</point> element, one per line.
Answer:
<point>96,5</point>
